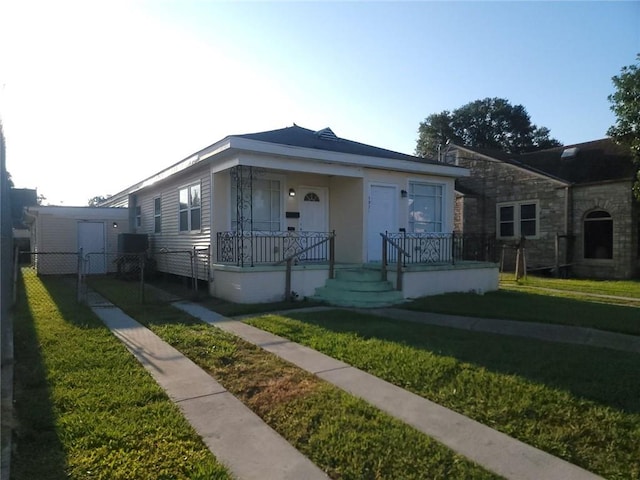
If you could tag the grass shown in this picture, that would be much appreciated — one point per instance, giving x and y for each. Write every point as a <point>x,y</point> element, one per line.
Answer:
<point>619,288</point>
<point>85,408</point>
<point>345,436</point>
<point>579,403</point>
<point>516,303</point>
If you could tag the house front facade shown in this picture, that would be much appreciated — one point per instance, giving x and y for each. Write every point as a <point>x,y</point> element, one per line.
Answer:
<point>250,202</point>
<point>572,205</point>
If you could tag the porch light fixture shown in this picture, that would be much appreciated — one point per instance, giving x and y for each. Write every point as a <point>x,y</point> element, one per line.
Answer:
<point>292,192</point>
<point>403,193</point>
<point>115,224</point>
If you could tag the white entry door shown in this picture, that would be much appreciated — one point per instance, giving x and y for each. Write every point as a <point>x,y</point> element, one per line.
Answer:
<point>313,218</point>
<point>381,217</point>
<point>91,239</point>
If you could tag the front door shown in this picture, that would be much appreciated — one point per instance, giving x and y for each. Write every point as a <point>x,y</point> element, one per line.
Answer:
<point>313,218</point>
<point>381,218</point>
<point>91,240</point>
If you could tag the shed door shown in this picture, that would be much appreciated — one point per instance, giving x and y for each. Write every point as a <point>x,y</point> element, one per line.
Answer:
<point>91,239</point>
<point>381,217</point>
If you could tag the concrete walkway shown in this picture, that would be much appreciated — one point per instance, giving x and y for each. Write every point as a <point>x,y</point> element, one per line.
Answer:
<point>540,331</point>
<point>489,448</point>
<point>238,438</point>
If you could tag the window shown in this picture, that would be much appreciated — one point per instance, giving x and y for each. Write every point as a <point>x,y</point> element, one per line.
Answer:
<point>157,215</point>
<point>138,216</point>
<point>189,209</point>
<point>265,206</point>
<point>425,207</point>
<point>518,219</point>
<point>311,197</point>
<point>598,235</point>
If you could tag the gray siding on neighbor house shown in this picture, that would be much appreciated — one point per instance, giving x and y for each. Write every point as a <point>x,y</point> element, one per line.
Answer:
<point>170,248</point>
<point>493,182</point>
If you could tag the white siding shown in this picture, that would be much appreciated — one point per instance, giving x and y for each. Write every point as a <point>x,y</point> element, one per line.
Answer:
<point>170,248</point>
<point>55,236</point>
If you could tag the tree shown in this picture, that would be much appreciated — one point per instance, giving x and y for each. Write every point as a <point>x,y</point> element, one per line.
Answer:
<point>97,200</point>
<point>489,123</point>
<point>626,106</point>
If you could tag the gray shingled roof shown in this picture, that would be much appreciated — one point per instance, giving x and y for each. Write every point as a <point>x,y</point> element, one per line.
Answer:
<point>595,161</point>
<point>326,140</point>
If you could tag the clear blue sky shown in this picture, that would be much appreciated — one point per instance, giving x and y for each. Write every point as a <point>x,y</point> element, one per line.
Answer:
<point>98,95</point>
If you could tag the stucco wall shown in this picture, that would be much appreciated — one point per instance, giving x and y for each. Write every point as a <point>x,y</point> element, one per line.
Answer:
<point>478,278</point>
<point>264,284</point>
<point>345,217</point>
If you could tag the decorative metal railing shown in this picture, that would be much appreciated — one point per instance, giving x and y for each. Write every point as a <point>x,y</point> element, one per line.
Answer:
<point>251,248</point>
<point>433,248</point>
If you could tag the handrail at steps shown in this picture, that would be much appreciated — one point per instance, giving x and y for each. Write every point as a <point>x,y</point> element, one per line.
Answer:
<point>290,258</point>
<point>385,240</point>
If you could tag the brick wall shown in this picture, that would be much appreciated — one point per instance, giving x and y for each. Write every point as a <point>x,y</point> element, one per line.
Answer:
<point>616,199</point>
<point>561,212</point>
<point>495,182</point>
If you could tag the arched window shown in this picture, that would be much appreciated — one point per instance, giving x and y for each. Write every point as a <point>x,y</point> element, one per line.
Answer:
<point>598,235</point>
<point>311,197</point>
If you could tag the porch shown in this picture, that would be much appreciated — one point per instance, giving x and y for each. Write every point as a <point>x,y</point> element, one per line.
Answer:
<point>254,267</point>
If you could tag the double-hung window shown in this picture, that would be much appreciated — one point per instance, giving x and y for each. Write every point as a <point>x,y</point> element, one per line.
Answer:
<point>157,215</point>
<point>426,207</point>
<point>518,219</point>
<point>260,207</point>
<point>138,216</point>
<point>189,209</point>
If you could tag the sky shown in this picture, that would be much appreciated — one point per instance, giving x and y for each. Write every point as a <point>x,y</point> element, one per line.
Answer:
<point>98,95</point>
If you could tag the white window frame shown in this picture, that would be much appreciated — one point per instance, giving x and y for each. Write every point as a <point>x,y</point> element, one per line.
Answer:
<point>138,214</point>
<point>157,215</point>
<point>233,224</point>
<point>443,200</point>
<point>517,220</point>
<point>190,208</point>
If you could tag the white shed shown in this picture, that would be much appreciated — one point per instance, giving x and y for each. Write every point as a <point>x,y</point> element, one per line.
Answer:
<point>58,234</point>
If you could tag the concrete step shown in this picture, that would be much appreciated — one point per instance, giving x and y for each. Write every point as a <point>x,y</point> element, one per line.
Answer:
<point>356,286</point>
<point>359,275</point>
<point>360,288</point>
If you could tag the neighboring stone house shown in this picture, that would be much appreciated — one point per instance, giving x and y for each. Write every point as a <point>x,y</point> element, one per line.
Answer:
<point>573,205</point>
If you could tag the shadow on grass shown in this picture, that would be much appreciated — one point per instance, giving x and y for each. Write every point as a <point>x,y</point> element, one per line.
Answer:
<point>604,376</point>
<point>532,307</point>
<point>38,451</point>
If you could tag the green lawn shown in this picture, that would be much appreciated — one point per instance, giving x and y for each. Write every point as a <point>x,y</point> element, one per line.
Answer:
<point>620,288</point>
<point>85,408</point>
<point>579,403</point>
<point>534,306</point>
<point>345,436</point>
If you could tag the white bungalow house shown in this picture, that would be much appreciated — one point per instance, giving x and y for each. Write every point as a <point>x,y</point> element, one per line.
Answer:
<point>290,210</point>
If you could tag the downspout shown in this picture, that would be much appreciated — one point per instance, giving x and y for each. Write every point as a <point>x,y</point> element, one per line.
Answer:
<point>568,224</point>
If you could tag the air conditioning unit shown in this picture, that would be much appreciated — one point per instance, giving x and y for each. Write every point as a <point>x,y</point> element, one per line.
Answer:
<point>129,243</point>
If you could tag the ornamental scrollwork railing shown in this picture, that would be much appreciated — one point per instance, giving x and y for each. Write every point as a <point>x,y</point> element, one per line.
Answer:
<point>433,248</point>
<point>261,247</point>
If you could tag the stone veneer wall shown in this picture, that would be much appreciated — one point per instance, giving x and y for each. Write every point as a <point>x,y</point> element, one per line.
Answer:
<point>616,199</point>
<point>495,182</point>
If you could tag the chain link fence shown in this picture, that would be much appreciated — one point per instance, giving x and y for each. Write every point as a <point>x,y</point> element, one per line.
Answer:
<point>164,276</point>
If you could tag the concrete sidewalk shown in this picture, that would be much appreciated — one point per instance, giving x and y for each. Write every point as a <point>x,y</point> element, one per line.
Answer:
<point>539,331</point>
<point>238,438</point>
<point>489,448</point>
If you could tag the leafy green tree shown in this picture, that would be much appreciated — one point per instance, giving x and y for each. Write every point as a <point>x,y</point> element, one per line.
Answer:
<point>626,106</point>
<point>95,201</point>
<point>488,123</point>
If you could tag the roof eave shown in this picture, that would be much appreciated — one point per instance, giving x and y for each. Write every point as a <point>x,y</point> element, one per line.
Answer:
<point>329,156</point>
